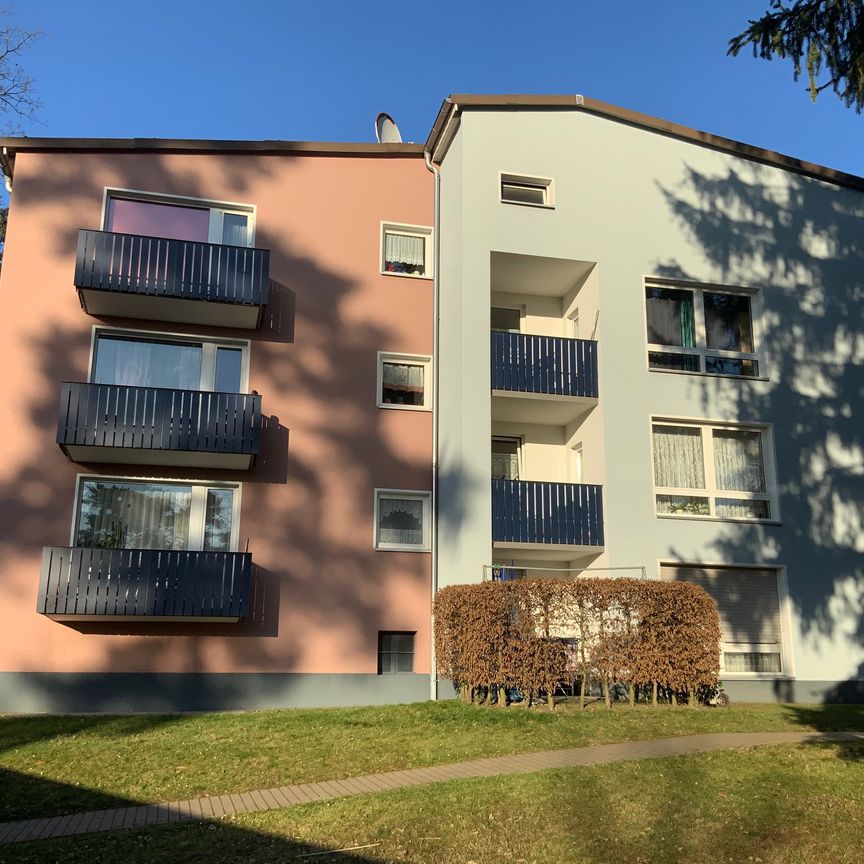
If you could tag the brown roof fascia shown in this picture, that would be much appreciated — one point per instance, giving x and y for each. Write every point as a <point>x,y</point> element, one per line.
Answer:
<point>11,146</point>
<point>643,121</point>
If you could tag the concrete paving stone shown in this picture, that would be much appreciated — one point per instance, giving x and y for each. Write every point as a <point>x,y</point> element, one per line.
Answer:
<point>206,807</point>
<point>293,795</point>
<point>237,801</point>
<point>248,802</point>
<point>261,802</point>
<point>271,799</point>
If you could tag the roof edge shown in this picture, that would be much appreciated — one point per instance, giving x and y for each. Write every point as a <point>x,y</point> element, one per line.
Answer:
<point>646,121</point>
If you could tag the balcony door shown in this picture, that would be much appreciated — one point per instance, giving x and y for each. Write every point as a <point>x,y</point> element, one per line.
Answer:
<point>143,361</point>
<point>505,458</point>
<point>178,221</point>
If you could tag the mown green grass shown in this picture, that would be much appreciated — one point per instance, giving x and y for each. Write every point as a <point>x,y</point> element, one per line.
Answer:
<point>52,765</point>
<point>777,805</point>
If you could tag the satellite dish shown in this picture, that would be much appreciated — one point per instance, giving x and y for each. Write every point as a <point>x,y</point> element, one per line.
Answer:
<point>386,130</point>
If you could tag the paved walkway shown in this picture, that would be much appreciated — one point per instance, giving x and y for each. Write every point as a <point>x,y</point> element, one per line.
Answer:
<point>212,807</point>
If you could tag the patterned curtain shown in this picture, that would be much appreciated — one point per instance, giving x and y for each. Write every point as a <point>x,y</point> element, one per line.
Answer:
<point>678,461</point>
<point>738,460</point>
<point>400,521</point>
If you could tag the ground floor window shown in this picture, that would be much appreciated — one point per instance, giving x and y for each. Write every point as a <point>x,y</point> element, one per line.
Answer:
<point>748,603</point>
<point>395,652</point>
<point>133,514</point>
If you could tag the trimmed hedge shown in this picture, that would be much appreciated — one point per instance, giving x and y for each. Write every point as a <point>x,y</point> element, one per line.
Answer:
<point>531,635</point>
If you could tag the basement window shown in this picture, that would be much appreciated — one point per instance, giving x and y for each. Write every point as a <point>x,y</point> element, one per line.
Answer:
<point>524,189</point>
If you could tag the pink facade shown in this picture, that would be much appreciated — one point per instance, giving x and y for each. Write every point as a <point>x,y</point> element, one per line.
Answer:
<point>322,592</point>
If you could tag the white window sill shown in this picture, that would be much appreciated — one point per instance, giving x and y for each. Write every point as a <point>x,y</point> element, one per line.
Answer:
<point>691,518</point>
<point>389,548</point>
<point>397,407</point>
<point>407,275</point>
<point>529,204</point>
<point>755,676</point>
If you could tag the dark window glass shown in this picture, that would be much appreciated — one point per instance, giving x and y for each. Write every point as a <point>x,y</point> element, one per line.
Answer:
<point>675,362</point>
<point>395,652</point>
<point>728,324</point>
<point>229,364</point>
<point>670,317</point>
<point>731,366</point>
<point>522,193</point>
<point>505,319</point>
<point>218,518</point>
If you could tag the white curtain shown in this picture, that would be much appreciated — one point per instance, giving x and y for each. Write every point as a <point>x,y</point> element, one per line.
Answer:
<point>404,249</point>
<point>505,466</point>
<point>400,521</point>
<point>133,515</point>
<point>403,375</point>
<point>734,508</point>
<point>140,363</point>
<point>738,460</point>
<point>678,461</point>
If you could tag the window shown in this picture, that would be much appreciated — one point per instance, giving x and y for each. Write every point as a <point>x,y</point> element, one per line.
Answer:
<point>143,360</point>
<point>505,458</point>
<point>395,652</point>
<point>576,463</point>
<point>402,520</point>
<point>712,471</point>
<point>692,329</point>
<point>178,218</point>
<point>522,189</point>
<point>509,320</point>
<point>507,573</point>
<point>406,250</point>
<point>748,603</point>
<point>404,381</point>
<point>132,514</point>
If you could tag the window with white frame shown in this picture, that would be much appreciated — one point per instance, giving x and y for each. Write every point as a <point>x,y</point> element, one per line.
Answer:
<point>137,514</point>
<point>154,360</point>
<point>709,470</point>
<point>506,454</point>
<point>404,381</point>
<point>179,218</point>
<point>525,189</point>
<point>406,250</point>
<point>702,329</point>
<point>748,604</point>
<point>402,520</point>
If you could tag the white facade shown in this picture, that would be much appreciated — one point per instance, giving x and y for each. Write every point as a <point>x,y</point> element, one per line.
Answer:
<point>627,203</point>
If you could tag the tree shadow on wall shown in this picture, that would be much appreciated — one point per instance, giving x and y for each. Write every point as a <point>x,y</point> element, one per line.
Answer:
<point>799,241</point>
<point>307,508</point>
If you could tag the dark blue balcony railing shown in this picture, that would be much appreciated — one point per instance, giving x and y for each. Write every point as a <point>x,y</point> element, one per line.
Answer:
<point>118,416</point>
<point>144,583</point>
<point>566,514</point>
<point>134,264</point>
<point>544,364</point>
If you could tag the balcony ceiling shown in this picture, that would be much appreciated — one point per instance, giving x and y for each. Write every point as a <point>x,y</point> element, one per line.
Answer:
<point>535,275</point>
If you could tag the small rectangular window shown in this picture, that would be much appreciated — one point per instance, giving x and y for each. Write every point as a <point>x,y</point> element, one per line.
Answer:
<point>508,320</point>
<point>406,250</point>
<point>402,520</point>
<point>395,652</point>
<point>522,189</point>
<point>505,458</point>
<point>404,381</point>
<point>700,329</point>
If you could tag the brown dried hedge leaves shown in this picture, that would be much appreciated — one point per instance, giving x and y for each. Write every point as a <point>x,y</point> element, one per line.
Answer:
<point>535,634</point>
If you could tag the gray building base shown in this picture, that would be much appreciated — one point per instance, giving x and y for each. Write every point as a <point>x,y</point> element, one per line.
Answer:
<point>133,692</point>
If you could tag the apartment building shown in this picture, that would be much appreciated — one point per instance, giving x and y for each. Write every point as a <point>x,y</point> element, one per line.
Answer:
<point>217,447</point>
<point>651,350</point>
<point>263,399</point>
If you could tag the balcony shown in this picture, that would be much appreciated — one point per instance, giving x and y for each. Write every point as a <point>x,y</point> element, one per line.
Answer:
<point>143,584</point>
<point>539,517</point>
<point>546,379</point>
<point>158,426</point>
<point>133,276</point>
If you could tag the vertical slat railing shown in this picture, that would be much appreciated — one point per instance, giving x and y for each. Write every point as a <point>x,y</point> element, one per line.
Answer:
<point>525,363</point>
<point>564,514</point>
<point>144,583</point>
<point>155,418</point>
<point>158,266</point>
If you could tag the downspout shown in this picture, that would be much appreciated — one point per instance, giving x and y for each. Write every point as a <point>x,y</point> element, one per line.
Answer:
<point>436,223</point>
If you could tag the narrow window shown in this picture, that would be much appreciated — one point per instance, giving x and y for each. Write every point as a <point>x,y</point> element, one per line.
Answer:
<point>505,458</point>
<point>522,189</point>
<point>395,652</point>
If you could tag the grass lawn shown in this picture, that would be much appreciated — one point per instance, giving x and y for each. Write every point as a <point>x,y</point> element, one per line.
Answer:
<point>53,765</point>
<point>777,805</point>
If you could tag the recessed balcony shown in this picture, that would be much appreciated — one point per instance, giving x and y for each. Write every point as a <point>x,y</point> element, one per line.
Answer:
<point>161,279</point>
<point>547,519</point>
<point>118,423</point>
<point>542,379</point>
<point>80,584</point>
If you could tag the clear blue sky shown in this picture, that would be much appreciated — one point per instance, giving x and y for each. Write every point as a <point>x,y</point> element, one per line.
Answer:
<point>321,71</point>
